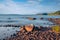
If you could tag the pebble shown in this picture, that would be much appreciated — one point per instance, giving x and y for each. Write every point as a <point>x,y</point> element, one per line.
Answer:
<point>36,34</point>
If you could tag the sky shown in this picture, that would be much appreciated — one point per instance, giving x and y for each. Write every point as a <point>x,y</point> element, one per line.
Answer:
<point>28,6</point>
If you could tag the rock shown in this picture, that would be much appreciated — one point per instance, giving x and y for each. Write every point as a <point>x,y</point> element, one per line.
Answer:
<point>3,39</point>
<point>29,28</point>
<point>31,18</point>
<point>14,34</point>
<point>55,20</point>
<point>35,33</point>
<point>22,29</point>
<point>42,18</point>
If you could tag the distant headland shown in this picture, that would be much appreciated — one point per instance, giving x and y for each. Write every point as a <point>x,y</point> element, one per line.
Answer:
<point>54,13</point>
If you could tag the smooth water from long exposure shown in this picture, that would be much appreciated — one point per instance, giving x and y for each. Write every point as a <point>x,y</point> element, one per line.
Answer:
<point>21,20</point>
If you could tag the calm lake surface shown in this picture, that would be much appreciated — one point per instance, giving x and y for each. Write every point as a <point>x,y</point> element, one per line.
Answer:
<point>21,20</point>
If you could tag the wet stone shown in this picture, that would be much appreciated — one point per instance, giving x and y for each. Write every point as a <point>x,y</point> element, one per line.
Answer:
<point>14,34</point>
<point>35,34</point>
<point>3,39</point>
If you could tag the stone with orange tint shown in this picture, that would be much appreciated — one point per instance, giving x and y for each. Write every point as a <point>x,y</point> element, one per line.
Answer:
<point>29,28</point>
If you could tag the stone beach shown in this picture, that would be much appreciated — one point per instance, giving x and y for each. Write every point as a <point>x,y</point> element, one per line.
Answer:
<point>32,32</point>
<point>37,33</point>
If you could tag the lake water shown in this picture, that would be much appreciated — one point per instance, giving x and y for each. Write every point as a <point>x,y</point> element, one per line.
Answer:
<point>21,20</point>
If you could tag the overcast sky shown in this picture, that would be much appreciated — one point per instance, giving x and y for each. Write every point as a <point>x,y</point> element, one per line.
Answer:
<point>28,6</point>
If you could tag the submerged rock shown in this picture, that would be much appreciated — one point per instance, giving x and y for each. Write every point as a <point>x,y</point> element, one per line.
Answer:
<point>31,18</point>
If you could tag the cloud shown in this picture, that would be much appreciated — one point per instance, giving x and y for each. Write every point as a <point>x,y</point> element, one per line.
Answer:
<point>29,7</point>
<point>10,7</point>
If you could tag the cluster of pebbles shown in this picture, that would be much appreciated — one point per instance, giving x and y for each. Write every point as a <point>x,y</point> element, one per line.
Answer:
<point>36,33</point>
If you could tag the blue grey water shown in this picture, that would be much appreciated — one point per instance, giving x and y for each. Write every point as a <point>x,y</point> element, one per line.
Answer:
<point>21,20</point>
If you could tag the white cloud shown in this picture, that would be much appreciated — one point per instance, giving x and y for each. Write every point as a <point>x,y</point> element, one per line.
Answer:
<point>10,7</point>
<point>31,7</point>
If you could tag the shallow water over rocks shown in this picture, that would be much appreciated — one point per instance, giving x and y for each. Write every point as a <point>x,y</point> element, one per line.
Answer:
<point>21,20</point>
